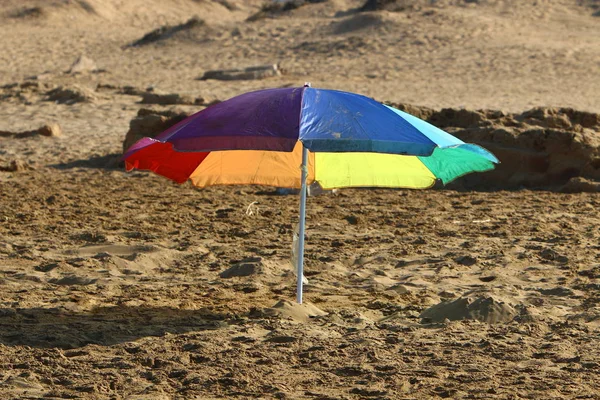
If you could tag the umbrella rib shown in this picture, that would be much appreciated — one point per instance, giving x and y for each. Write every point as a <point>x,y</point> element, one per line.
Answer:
<point>360,125</point>
<point>263,155</point>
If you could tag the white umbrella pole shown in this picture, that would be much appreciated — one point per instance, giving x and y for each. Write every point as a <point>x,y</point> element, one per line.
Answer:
<point>300,268</point>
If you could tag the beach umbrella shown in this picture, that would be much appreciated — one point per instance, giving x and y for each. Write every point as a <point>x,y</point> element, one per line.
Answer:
<point>339,139</point>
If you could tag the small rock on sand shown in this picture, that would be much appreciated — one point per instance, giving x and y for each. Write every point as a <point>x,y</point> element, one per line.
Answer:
<point>258,72</point>
<point>82,64</point>
<point>51,130</point>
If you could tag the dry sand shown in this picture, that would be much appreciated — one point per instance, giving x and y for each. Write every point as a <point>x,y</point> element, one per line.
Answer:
<point>112,284</point>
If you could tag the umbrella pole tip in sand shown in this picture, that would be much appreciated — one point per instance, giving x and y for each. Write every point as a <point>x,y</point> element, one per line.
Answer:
<point>300,275</point>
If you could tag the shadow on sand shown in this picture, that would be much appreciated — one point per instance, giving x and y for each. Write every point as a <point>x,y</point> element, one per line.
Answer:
<point>106,326</point>
<point>108,161</point>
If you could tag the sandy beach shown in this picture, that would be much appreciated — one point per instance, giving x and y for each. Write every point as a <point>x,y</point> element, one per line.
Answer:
<point>120,285</point>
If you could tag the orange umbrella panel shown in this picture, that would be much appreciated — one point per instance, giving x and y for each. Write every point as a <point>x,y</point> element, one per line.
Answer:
<point>253,167</point>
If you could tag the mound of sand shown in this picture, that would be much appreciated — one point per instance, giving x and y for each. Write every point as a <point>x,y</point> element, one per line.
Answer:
<point>167,31</point>
<point>394,5</point>
<point>516,7</point>
<point>275,8</point>
<point>35,12</point>
<point>14,166</point>
<point>149,123</point>
<point>541,147</point>
<point>581,185</point>
<point>247,267</point>
<point>482,308</point>
<point>294,311</point>
<point>361,22</point>
<point>148,10</point>
<point>36,9</point>
<point>71,94</point>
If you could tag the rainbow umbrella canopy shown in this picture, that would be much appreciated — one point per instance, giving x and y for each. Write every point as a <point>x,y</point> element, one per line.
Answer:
<point>338,139</point>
